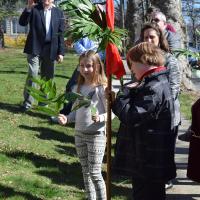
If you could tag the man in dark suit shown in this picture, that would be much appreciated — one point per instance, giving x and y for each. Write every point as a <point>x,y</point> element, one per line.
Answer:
<point>45,41</point>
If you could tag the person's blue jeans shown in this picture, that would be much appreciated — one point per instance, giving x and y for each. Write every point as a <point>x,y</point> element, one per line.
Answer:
<point>35,62</point>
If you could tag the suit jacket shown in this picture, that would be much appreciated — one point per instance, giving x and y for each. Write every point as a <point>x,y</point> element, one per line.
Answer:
<point>37,33</point>
<point>145,141</point>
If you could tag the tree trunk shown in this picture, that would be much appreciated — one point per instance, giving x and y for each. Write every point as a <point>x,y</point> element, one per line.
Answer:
<point>1,37</point>
<point>173,11</point>
<point>133,21</point>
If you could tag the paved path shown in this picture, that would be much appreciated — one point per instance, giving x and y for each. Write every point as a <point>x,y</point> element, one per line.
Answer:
<point>183,189</point>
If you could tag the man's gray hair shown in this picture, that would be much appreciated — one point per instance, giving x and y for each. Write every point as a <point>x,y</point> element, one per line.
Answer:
<point>161,16</point>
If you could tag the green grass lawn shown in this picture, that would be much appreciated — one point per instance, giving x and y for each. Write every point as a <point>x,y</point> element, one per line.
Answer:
<point>186,101</point>
<point>38,159</point>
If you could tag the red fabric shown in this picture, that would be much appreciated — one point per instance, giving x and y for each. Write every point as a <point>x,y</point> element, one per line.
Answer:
<point>157,69</point>
<point>170,28</point>
<point>110,15</point>
<point>114,64</point>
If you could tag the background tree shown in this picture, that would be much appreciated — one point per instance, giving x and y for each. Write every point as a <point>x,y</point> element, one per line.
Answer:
<point>1,37</point>
<point>136,10</point>
<point>173,11</point>
<point>4,12</point>
<point>8,8</point>
<point>191,12</point>
<point>133,20</point>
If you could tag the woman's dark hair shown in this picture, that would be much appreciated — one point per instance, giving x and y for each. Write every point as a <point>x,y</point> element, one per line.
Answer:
<point>163,44</point>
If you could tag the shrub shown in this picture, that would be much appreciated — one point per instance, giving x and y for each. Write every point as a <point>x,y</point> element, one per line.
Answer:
<point>9,41</point>
<point>18,41</point>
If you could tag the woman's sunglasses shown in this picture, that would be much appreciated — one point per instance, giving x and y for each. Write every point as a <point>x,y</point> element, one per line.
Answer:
<point>155,20</point>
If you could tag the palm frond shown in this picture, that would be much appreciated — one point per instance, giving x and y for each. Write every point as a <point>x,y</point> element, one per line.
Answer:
<point>47,93</point>
<point>87,20</point>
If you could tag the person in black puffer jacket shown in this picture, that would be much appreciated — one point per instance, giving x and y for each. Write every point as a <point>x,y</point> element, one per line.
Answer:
<point>145,142</point>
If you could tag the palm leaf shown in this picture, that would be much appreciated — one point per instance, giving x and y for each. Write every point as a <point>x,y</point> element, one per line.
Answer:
<point>93,110</point>
<point>37,81</point>
<point>47,110</point>
<point>47,94</point>
<point>87,20</point>
<point>59,98</point>
<point>35,91</point>
<point>73,96</point>
<point>80,103</point>
<point>40,98</point>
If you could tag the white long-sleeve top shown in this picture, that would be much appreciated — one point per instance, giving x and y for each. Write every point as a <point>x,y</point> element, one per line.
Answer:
<point>83,116</point>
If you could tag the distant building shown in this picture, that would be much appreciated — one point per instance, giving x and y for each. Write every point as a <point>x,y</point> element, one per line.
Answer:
<point>12,28</point>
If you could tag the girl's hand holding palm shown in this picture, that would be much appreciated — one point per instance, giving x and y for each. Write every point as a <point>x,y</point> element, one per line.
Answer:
<point>62,119</point>
<point>95,118</point>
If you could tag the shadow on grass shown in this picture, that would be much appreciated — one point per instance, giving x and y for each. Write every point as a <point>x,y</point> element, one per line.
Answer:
<point>66,150</point>
<point>65,173</point>
<point>12,71</point>
<point>6,192</point>
<point>71,125</point>
<point>49,134</point>
<point>15,108</point>
<point>33,113</point>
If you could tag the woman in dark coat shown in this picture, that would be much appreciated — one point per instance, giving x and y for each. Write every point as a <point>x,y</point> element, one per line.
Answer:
<point>145,141</point>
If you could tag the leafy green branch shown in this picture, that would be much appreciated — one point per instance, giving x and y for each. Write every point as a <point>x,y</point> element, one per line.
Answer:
<point>186,53</point>
<point>89,20</point>
<point>52,102</point>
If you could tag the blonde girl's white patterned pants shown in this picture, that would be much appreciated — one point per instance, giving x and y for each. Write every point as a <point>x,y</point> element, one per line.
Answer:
<point>90,149</point>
